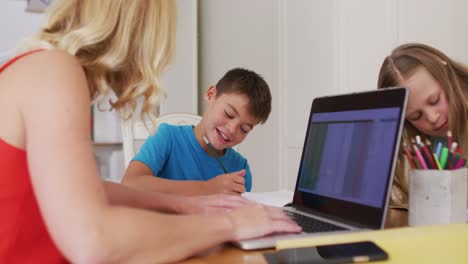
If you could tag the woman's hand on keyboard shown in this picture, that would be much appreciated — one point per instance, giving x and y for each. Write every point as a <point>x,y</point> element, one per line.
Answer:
<point>256,220</point>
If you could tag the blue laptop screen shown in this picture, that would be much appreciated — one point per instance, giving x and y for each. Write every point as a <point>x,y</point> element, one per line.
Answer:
<point>348,154</point>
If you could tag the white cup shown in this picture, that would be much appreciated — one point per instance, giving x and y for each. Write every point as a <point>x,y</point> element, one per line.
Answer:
<point>437,196</point>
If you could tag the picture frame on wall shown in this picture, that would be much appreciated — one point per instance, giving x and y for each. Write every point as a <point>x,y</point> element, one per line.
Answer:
<point>38,6</point>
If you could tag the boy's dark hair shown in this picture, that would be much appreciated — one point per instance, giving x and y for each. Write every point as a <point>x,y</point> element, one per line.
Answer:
<point>251,84</point>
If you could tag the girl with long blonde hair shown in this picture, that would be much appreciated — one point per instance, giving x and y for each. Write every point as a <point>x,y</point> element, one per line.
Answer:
<point>438,100</point>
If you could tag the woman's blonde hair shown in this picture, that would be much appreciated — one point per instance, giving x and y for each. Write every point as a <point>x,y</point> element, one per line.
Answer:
<point>123,45</point>
<point>401,64</point>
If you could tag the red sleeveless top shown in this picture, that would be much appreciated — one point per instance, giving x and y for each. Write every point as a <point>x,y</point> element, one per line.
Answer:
<point>23,234</point>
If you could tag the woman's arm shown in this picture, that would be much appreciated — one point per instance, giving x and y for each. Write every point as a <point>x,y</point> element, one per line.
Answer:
<point>119,194</point>
<point>55,109</point>
<point>139,176</point>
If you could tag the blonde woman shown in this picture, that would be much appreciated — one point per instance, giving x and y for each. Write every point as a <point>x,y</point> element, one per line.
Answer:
<point>438,100</point>
<point>53,204</point>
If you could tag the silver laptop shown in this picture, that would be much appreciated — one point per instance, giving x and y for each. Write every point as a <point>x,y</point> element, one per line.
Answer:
<point>347,165</point>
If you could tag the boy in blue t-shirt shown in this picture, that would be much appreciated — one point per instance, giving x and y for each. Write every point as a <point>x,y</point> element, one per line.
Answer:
<point>177,159</point>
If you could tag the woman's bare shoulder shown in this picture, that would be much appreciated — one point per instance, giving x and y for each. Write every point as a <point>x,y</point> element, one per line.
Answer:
<point>38,80</point>
<point>47,80</point>
<point>46,71</point>
<point>48,62</point>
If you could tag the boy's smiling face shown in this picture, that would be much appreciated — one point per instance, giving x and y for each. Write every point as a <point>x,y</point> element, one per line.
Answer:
<point>227,120</point>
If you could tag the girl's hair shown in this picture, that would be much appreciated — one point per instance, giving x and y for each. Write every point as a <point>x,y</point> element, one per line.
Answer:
<point>453,78</point>
<point>123,45</point>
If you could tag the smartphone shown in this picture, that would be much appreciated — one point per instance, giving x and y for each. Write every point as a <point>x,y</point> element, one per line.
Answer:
<point>363,251</point>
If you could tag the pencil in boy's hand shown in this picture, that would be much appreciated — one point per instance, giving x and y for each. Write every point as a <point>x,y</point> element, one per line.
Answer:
<point>213,152</point>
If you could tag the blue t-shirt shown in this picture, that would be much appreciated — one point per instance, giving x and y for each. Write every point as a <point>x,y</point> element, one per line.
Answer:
<point>174,153</point>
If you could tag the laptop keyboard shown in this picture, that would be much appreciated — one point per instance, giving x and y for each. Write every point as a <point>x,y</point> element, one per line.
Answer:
<point>312,225</point>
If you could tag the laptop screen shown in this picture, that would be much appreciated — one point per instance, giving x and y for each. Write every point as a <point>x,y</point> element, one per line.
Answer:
<point>348,156</point>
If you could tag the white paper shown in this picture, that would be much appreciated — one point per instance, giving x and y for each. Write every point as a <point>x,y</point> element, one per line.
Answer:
<point>278,198</point>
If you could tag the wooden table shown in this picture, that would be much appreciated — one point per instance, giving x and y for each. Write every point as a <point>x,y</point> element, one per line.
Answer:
<point>230,254</point>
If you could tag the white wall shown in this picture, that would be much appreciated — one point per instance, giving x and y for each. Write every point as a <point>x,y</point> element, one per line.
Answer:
<point>181,79</point>
<point>309,48</point>
<point>243,33</point>
<point>15,25</point>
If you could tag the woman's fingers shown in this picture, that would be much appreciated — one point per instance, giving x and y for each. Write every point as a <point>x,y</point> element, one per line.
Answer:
<point>277,213</point>
<point>256,220</point>
<point>216,203</point>
<point>286,226</point>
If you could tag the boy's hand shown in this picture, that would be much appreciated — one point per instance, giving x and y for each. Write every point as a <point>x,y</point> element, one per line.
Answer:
<point>229,183</point>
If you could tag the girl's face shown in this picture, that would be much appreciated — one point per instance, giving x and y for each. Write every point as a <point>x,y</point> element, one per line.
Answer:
<point>227,120</point>
<point>427,104</point>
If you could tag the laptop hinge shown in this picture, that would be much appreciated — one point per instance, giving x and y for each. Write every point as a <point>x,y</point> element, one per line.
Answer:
<point>325,217</point>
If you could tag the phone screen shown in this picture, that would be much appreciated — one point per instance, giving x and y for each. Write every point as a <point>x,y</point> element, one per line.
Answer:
<point>339,253</point>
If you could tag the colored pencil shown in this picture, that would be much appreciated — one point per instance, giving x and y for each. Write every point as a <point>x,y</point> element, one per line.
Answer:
<point>437,161</point>
<point>420,157</point>
<point>408,155</point>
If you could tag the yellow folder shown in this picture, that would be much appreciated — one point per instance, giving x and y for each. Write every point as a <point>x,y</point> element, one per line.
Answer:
<point>428,244</point>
